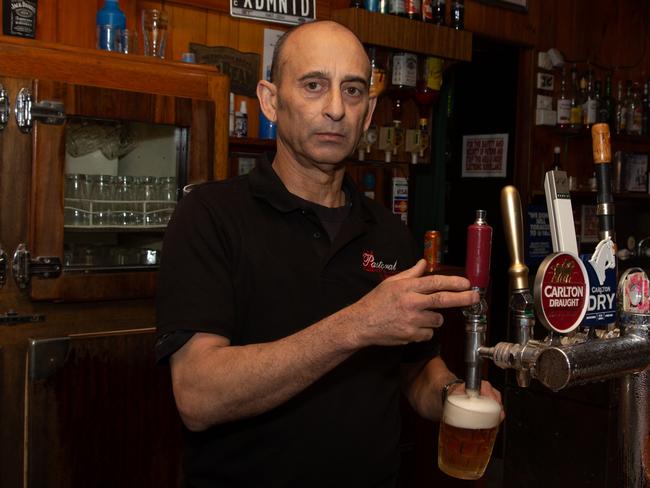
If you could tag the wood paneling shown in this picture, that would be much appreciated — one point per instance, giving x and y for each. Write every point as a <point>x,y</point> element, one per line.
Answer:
<point>405,34</point>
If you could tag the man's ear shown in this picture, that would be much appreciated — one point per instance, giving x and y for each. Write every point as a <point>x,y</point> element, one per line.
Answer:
<point>267,94</point>
<point>372,103</point>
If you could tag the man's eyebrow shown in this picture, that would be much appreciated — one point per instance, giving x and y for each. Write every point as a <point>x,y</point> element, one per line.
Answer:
<point>323,74</point>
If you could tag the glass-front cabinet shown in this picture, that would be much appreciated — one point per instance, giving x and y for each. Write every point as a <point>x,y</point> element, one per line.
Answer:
<point>106,177</point>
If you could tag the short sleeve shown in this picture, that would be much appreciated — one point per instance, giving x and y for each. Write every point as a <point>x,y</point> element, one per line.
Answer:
<point>194,290</point>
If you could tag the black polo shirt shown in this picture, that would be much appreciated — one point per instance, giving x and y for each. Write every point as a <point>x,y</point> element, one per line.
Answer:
<point>246,259</point>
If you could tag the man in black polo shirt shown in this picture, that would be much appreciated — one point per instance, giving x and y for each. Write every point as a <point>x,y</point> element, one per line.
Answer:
<point>292,308</point>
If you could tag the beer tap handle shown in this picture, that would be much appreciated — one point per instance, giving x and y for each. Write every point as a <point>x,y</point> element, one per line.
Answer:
<point>479,249</point>
<point>602,159</point>
<point>513,226</point>
<point>521,300</point>
<point>477,269</point>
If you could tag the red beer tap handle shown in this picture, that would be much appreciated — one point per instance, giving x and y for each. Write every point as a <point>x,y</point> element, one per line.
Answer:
<point>479,250</point>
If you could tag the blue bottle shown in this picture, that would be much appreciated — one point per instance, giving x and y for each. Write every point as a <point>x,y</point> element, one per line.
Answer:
<point>110,23</point>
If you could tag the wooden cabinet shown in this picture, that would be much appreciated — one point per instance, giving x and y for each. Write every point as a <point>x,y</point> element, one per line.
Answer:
<point>82,402</point>
<point>107,86</point>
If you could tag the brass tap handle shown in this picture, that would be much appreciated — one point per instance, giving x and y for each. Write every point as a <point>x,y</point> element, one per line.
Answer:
<point>513,226</point>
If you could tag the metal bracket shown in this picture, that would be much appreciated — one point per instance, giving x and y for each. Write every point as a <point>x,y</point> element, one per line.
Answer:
<point>27,111</point>
<point>24,267</point>
<point>3,267</point>
<point>4,108</point>
<point>13,318</point>
<point>47,356</point>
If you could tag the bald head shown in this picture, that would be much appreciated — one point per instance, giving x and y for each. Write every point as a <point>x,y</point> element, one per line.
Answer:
<point>311,33</point>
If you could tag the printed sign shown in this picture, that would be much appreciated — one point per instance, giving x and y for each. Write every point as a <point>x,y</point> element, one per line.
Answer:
<point>485,155</point>
<point>601,269</point>
<point>243,68</point>
<point>561,292</point>
<point>282,11</point>
<point>538,242</point>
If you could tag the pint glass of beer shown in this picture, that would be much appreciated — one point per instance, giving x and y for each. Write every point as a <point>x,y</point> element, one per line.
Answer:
<point>467,432</point>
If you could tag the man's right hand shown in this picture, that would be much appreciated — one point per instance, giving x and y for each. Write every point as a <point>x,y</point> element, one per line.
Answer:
<point>402,309</point>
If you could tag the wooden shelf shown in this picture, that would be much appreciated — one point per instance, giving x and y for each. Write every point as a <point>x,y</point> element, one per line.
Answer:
<point>404,34</point>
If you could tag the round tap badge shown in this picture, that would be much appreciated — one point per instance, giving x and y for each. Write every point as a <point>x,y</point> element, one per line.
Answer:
<point>561,292</point>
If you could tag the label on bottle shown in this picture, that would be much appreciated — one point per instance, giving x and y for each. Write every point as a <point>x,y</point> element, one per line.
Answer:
<point>563,111</point>
<point>589,112</point>
<point>405,69</point>
<point>576,115</point>
<point>400,197</point>
<point>434,73</point>
<point>241,124</point>
<point>397,7</point>
<point>19,18</point>
<point>427,11</point>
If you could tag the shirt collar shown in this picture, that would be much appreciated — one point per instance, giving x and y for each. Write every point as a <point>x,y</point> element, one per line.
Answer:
<point>267,185</point>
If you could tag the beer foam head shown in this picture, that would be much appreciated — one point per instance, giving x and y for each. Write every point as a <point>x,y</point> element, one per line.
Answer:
<point>471,412</point>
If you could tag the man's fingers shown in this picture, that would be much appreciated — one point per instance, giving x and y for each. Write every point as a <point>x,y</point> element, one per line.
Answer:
<point>412,272</point>
<point>432,283</point>
<point>446,299</point>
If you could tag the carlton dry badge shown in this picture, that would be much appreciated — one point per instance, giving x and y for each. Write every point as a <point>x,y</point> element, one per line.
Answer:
<point>561,292</point>
<point>601,269</point>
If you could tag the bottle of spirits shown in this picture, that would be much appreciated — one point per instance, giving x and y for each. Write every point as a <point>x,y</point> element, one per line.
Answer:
<point>590,103</point>
<point>19,18</point>
<point>563,106</point>
<point>438,12</point>
<point>598,93</point>
<point>606,109</point>
<point>621,118</point>
<point>413,9</point>
<point>575,119</point>
<point>644,110</point>
<point>458,14</point>
<point>397,7</point>
<point>633,111</point>
<point>378,76</point>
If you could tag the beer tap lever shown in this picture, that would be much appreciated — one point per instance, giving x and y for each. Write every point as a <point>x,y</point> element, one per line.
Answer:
<point>522,315</point>
<point>477,269</point>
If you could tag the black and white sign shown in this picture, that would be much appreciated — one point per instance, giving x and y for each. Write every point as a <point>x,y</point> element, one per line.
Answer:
<point>282,11</point>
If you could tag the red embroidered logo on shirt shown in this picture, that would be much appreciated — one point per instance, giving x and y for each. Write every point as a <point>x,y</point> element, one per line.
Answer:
<point>372,265</point>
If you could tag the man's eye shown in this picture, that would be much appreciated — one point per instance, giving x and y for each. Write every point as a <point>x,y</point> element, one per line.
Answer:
<point>313,85</point>
<point>353,91</point>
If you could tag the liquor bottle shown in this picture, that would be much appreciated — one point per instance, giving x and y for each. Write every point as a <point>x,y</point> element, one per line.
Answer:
<point>427,11</point>
<point>598,94</point>
<point>413,9</point>
<point>644,110</point>
<point>563,107</point>
<point>356,3</point>
<point>438,11</point>
<point>607,108</point>
<point>397,7</point>
<point>557,166</point>
<point>403,80</point>
<point>633,110</point>
<point>378,71</point>
<point>575,119</point>
<point>19,18</point>
<point>458,14</point>
<point>621,118</point>
<point>590,103</point>
<point>384,6</point>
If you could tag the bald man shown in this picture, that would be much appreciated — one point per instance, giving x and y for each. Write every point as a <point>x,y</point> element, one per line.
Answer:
<point>292,309</point>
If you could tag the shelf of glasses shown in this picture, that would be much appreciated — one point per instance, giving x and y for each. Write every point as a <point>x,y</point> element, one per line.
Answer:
<point>117,215</point>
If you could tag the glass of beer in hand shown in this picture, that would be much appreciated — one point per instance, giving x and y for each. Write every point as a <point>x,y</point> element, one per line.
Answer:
<point>467,432</point>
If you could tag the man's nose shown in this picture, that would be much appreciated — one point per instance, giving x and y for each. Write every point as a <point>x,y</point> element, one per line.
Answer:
<point>335,108</point>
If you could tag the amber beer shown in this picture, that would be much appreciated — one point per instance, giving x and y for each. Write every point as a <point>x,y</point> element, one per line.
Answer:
<point>467,432</point>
